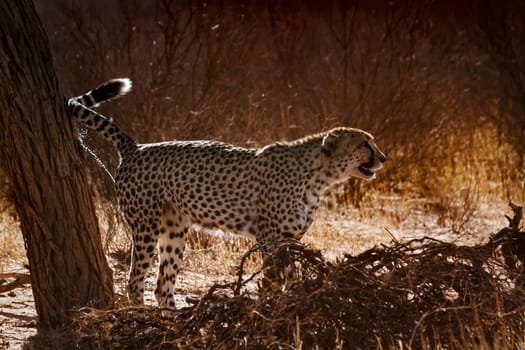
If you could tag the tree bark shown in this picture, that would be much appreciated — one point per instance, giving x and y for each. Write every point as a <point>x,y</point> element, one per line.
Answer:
<point>42,160</point>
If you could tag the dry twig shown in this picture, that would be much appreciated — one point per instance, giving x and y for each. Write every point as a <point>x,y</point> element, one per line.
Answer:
<point>422,292</point>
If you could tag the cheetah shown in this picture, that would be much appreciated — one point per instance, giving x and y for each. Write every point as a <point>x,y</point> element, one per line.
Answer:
<point>267,194</point>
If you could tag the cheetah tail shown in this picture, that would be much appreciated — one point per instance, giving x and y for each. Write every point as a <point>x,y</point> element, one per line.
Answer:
<point>102,125</point>
<point>105,92</point>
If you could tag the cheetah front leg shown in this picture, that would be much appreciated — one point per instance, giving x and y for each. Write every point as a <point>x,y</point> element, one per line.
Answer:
<point>278,265</point>
<point>173,229</point>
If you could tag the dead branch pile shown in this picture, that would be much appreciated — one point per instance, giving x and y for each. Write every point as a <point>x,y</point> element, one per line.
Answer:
<point>421,293</point>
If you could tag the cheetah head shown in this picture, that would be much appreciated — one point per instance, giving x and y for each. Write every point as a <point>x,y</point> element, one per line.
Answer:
<point>352,152</point>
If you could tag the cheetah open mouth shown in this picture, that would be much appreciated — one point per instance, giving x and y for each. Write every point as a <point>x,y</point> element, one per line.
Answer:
<point>365,170</point>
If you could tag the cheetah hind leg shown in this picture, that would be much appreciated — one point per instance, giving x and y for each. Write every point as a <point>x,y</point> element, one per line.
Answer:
<point>144,243</point>
<point>173,229</point>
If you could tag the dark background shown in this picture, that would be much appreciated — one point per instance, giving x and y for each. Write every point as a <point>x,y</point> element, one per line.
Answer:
<point>439,83</point>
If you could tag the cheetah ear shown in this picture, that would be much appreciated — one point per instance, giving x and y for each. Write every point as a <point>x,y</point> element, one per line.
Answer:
<point>329,144</point>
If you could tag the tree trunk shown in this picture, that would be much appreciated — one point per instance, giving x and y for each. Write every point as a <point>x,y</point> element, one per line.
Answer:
<point>42,161</point>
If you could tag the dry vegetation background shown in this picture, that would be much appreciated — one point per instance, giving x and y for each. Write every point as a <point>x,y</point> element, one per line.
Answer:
<point>441,85</point>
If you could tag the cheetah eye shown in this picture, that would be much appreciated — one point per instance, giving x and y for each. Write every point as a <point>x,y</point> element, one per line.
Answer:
<point>367,146</point>
<point>364,144</point>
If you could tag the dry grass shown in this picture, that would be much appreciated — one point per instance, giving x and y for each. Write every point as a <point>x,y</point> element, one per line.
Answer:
<point>423,293</point>
<point>12,250</point>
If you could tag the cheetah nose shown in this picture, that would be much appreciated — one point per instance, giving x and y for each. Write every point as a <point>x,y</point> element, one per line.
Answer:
<point>382,158</point>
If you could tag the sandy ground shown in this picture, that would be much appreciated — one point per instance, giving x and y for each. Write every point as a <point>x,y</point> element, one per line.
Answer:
<point>17,315</point>
<point>334,232</point>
